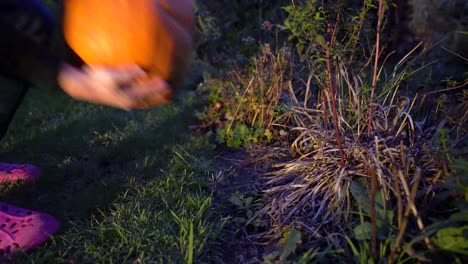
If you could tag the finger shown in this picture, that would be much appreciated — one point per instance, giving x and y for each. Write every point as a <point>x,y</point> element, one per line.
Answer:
<point>151,93</point>
<point>145,94</point>
<point>81,86</point>
<point>71,81</point>
<point>148,88</point>
<point>98,86</point>
<point>153,101</point>
<point>145,101</point>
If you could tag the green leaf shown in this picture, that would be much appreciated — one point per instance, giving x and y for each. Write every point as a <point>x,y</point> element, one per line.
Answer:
<point>189,254</point>
<point>460,216</point>
<point>235,200</point>
<point>363,231</point>
<point>249,214</point>
<point>320,40</point>
<point>352,246</point>
<point>360,193</point>
<point>233,142</point>
<point>383,214</point>
<point>268,134</point>
<point>460,165</point>
<point>318,16</point>
<point>293,239</point>
<point>248,201</point>
<point>453,239</point>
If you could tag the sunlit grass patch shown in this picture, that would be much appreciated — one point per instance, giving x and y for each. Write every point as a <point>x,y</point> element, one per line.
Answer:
<point>127,186</point>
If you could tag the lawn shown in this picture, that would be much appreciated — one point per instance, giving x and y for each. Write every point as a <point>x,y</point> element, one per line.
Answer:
<point>126,186</point>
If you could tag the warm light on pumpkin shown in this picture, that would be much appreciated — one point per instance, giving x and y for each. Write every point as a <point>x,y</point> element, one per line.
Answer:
<point>155,34</point>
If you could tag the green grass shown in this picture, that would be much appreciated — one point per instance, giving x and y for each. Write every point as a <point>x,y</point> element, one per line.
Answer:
<point>128,187</point>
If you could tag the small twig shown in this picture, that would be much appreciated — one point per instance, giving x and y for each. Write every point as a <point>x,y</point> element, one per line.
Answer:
<point>373,214</point>
<point>414,191</point>
<point>399,201</point>
<point>463,85</point>
<point>376,65</point>
<point>333,100</point>
<point>402,227</point>
<point>456,54</point>
<point>307,95</point>
<point>335,30</point>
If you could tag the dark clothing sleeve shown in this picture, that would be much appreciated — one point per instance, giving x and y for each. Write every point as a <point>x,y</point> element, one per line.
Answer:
<point>21,58</point>
<point>27,28</point>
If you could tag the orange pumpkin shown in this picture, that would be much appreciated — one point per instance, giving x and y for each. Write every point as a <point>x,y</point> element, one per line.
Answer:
<point>155,34</point>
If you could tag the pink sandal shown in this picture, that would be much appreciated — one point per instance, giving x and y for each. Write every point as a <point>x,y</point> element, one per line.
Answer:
<point>23,230</point>
<point>16,172</point>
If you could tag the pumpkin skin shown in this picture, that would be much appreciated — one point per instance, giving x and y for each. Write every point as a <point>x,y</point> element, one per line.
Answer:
<point>154,34</point>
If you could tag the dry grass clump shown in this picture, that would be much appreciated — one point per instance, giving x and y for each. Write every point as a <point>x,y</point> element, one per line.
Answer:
<point>401,161</point>
<point>315,180</point>
<point>312,192</point>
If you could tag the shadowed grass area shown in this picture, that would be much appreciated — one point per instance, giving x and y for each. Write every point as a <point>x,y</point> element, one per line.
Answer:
<point>126,186</point>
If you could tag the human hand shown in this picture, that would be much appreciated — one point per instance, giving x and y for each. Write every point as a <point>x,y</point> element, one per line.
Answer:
<point>126,87</point>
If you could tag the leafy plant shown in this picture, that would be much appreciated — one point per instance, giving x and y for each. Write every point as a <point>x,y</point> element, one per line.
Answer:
<point>244,204</point>
<point>245,107</point>
<point>452,235</point>
<point>289,244</point>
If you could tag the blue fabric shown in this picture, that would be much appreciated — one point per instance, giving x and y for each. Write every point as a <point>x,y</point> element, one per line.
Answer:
<point>30,17</point>
<point>25,28</point>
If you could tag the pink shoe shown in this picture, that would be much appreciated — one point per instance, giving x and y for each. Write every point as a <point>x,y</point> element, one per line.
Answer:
<point>23,230</point>
<point>16,172</point>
